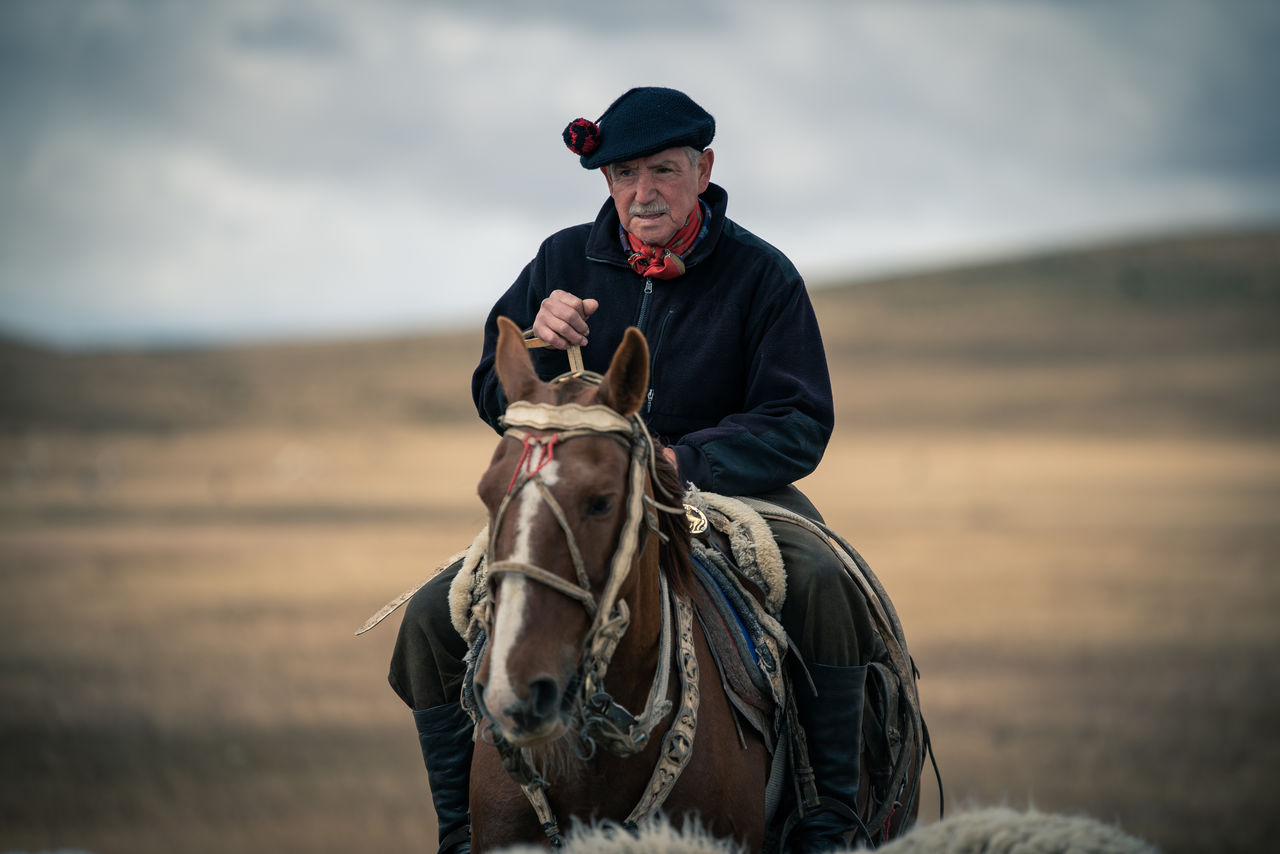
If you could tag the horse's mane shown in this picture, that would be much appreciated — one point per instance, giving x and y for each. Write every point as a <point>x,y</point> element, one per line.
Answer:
<point>675,551</point>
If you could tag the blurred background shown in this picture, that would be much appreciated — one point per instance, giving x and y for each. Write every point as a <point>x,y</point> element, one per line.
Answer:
<point>245,250</point>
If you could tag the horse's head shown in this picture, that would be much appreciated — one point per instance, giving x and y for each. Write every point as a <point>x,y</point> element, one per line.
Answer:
<point>560,490</point>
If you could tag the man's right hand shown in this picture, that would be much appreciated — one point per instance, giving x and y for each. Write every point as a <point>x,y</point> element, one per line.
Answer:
<point>562,320</point>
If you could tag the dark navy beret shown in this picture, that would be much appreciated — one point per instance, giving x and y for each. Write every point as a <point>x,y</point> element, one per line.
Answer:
<point>643,121</point>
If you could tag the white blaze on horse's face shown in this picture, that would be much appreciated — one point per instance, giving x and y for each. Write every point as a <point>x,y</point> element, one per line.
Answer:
<point>514,612</point>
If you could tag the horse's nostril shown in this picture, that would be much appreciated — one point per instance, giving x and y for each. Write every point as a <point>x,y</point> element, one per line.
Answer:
<point>539,708</point>
<point>544,697</point>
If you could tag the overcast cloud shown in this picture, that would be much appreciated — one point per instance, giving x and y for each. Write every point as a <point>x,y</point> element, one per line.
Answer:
<point>231,170</point>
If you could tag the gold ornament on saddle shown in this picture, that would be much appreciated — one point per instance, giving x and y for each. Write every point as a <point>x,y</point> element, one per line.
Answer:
<point>696,518</point>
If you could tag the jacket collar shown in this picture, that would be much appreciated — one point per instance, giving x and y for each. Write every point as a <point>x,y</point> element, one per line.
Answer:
<point>603,244</point>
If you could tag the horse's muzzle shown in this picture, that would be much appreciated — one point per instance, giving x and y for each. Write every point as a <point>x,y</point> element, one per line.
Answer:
<point>530,720</point>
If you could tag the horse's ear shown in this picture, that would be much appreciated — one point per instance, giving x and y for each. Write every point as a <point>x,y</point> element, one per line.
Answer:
<point>513,365</point>
<point>625,383</point>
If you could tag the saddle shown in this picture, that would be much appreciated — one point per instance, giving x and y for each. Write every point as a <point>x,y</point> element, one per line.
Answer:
<point>739,600</point>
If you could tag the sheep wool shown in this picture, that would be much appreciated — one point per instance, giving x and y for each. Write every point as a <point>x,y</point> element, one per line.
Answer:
<point>994,830</point>
<point>1001,830</point>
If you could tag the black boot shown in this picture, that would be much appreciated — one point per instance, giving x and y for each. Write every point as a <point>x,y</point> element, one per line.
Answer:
<point>832,723</point>
<point>445,735</point>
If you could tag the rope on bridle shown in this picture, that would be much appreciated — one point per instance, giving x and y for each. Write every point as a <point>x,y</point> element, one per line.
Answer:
<point>604,721</point>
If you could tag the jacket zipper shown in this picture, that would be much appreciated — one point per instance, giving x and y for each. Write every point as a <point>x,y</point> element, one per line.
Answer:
<point>644,303</point>
<point>653,360</point>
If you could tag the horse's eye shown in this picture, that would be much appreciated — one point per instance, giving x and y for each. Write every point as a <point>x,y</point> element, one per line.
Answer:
<point>599,505</point>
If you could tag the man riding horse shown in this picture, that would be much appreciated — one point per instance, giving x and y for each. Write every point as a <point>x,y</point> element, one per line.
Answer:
<point>739,395</point>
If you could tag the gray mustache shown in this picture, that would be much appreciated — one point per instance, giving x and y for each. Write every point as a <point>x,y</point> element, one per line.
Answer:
<point>642,210</point>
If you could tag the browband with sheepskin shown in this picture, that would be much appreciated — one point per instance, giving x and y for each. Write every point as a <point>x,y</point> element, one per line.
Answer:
<point>565,416</point>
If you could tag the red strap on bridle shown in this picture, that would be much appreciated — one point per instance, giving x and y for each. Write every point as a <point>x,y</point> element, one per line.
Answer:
<point>548,448</point>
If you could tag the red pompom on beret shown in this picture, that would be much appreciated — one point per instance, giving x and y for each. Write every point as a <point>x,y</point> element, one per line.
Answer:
<point>582,136</point>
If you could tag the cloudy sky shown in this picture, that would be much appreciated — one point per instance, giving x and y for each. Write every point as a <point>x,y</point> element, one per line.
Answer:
<point>247,169</point>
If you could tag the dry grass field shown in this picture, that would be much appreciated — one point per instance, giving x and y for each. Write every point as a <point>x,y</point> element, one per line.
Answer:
<point>1066,470</point>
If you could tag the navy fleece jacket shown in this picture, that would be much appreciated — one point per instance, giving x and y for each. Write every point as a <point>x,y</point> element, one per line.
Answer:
<point>739,385</point>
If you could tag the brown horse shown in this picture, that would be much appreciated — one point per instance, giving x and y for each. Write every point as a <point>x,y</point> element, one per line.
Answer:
<point>577,565</point>
<point>588,574</point>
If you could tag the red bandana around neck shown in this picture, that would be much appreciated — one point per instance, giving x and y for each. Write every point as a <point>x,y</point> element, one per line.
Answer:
<point>664,262</point>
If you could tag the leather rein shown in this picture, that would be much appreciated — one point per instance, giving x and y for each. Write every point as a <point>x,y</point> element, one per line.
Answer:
<point>604,722</point>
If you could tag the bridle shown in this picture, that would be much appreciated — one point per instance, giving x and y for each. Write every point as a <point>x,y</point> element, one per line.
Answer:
<point>541,428</point>
<point>609,615</point>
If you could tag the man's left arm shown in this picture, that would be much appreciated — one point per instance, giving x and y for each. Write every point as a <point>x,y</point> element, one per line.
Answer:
<point>788,413</point>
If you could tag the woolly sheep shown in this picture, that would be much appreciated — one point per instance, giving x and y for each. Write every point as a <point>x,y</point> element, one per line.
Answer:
<point>1000,830</point>
<point>996,830</point>
<point>653,837</point>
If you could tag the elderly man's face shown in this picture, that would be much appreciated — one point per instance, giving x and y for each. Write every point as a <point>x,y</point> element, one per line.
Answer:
<point>654,195</point>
